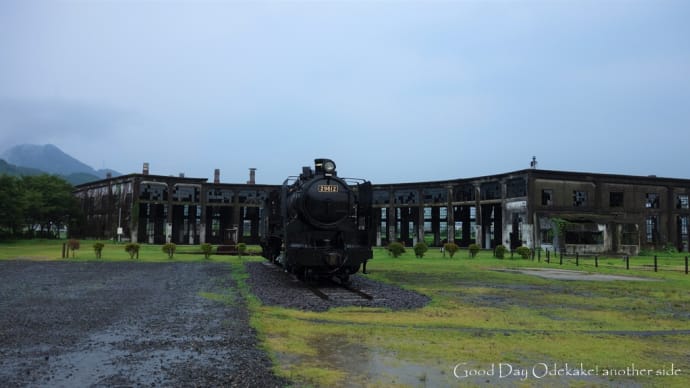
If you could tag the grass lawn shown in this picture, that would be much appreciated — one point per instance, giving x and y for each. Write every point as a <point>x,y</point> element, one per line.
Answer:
<point>487,323</point>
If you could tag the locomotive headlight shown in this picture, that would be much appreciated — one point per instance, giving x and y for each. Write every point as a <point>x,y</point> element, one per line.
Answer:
<point>329,166</point>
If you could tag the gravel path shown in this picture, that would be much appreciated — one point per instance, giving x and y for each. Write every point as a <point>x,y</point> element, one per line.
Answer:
<point>125,324</point>
<point>274,287</point>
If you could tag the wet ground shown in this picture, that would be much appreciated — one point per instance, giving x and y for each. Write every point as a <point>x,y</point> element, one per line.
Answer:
<point>566,274</point>
<point>125,324</point>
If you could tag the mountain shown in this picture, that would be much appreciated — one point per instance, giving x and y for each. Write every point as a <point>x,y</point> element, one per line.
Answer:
<point>11,169</point>
<point>26,159</point>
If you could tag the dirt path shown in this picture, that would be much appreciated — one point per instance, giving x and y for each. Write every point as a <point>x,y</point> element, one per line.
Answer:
<point>115,324</point>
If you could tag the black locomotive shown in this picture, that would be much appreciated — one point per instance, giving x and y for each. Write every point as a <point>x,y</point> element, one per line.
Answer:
<point>318,224</point>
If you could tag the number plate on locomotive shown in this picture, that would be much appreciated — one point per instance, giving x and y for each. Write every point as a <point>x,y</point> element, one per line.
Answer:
<point>328,188</point>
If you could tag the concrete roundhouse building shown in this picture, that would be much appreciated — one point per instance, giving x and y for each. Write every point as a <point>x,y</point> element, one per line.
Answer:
<point>555,210</point>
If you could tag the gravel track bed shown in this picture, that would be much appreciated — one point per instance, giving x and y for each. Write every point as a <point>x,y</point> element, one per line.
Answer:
<point>274,287</point>
<point>126,324</point>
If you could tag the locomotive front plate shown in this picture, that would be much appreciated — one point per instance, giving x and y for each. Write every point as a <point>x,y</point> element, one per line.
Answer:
<point>328,188</point>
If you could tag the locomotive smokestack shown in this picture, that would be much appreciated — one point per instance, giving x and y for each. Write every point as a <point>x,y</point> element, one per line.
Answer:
<point>216,176</point>
<point>252,176</point>
<point>146,168</point>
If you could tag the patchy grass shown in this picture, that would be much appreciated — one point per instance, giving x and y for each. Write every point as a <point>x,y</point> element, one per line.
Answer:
<point>484,317</point>
<point>479,316</point>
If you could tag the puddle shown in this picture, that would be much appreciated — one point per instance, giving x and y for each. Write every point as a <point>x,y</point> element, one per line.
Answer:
<point>365,367</point>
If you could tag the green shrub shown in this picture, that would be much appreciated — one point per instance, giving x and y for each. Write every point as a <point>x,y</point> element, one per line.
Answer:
<point>73,245</point>
<point>474,249</point>
<point>451,248</point>
<point>241,249</point>
<point>207,249</point>
<point>500,251</point>
<point>419,249</point>
<point>132,249</point>
<point>169,248</point>
<point>523,251</point>
<point>396,249</point>
<point>98,248</point>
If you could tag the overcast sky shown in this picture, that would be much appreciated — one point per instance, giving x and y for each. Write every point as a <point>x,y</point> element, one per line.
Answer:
<point>392,91</point>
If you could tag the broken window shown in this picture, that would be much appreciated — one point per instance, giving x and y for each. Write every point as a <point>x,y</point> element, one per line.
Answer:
<point>406,197</point>
<point>516,188</point>
<point>153,191</point>
<point>579,198</point>
<point>584,237</point>
<point>435,196</point>
<point>629,235</point>
<point>652,230</point>
<point>381,197</point>
<point>682,202</point>
<point>491,190</point>
<point>547,197</point>
<point>683,232</point>
<point>652,201</point>
<point>464,193</point>
<point>186,193</point>
<point>220,196</point>
<point>547,236</point>
<point>616,199</point>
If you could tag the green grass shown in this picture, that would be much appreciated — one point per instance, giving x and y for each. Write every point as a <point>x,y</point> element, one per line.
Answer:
<point>478,315</point>
<point>112,251</point>
<point>484,317</point>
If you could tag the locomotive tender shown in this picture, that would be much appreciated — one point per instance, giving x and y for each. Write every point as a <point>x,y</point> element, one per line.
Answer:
<point>318,224</point>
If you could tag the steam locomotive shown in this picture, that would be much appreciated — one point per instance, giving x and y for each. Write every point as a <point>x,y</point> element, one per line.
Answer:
<point>319,225</point>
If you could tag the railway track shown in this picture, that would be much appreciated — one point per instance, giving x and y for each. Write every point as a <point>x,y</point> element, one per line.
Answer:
<point>339,292</point>
<point>330,292</point>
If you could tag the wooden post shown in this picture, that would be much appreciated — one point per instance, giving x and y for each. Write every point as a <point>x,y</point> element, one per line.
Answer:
<point>686,265</point>
<point>596,261</point>
<point>655,264</point>
<point>627,262</point>
<point>577,259</point>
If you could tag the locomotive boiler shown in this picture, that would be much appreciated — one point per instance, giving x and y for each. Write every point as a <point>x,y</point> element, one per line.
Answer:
<point>318,224</point>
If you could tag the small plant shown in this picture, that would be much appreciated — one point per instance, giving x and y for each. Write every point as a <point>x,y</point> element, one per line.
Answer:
<point>98,248</point>
<point>241,249</point>
<point>73,245</point>
<point>396,249</point>
<point>132,249</point>
<point>169,248</point>
<point>207,249</point>
<point>499,251</point>
<point>474,249</point>
<point>523,251</point>
<point>670,248</point>
<point>419,249</point>
<point>451,248</point>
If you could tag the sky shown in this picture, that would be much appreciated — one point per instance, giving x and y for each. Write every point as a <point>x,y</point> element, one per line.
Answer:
<point>393,91</point>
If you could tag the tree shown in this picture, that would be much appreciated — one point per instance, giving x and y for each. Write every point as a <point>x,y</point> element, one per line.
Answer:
<point>451,248</point>
<point>73,245</point>
<point>396,249</point>
<point>50,204</point>
<point>419,249</point>
<point>98,248</point>
<point>207,249</point>
<point>241,249</point>
<point>12,205</point>
<point>474,249</point>
<point>132,249</point>
<point>500,251</point>
<point>169,248</point>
